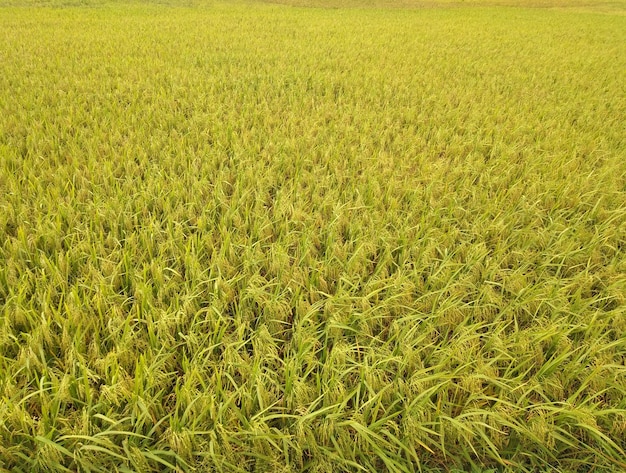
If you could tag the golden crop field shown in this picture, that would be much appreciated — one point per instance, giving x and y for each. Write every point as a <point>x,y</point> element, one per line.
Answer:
<point>313,236</point>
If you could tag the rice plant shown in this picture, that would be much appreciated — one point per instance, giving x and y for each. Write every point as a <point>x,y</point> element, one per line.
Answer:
<point>262,237</point>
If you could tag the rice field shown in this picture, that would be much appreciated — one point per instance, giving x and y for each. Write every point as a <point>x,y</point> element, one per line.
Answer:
<point>325,236</point>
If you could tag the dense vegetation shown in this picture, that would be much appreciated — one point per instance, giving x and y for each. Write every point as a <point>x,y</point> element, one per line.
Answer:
<point>271,238</point>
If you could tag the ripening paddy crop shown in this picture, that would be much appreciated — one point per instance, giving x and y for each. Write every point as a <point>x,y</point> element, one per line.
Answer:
<point>312,236</point>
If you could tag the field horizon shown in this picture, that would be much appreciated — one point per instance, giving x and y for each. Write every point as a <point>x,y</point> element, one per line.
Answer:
<point>612,7</point>
<point>313,236</point>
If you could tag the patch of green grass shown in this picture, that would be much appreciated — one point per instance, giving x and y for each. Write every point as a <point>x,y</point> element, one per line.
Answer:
<point>264,238</point>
